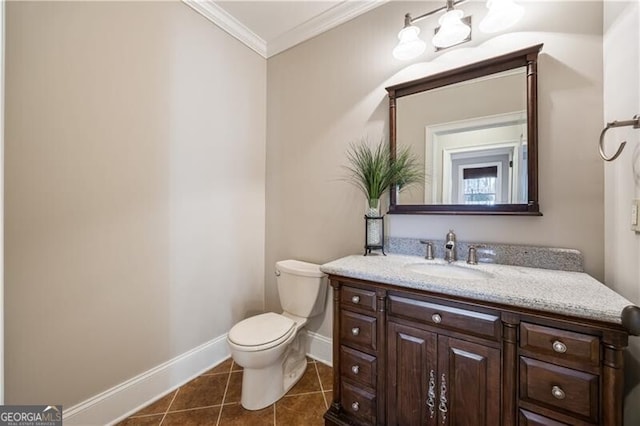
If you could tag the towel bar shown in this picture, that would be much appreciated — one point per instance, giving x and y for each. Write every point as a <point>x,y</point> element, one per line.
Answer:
<point>635,122</point>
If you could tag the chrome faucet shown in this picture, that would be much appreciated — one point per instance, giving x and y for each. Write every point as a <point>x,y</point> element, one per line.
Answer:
<point>450,247</point>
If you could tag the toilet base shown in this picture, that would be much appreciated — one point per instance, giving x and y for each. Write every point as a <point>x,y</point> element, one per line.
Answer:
<point>262,387</point>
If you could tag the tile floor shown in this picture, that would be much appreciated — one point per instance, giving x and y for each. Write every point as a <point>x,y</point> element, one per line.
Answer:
<point>213,399</point>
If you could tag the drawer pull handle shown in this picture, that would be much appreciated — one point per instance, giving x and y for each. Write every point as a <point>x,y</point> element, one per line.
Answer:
<point>355,406</point>
<point>559,347</point>
<point>355,331</point>
<point>355,369</point>
<point>557,392</point>
<point>355,299</point>
<point>431,394</point>
<point>436,318</point>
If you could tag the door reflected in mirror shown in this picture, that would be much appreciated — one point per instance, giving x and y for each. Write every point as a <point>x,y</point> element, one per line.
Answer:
<point>474,153</point>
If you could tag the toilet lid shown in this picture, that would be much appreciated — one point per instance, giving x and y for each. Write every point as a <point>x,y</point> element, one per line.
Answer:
<point>261,329</point>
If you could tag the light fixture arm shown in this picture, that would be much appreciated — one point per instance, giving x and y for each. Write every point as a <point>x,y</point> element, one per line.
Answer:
<point>408,20</point>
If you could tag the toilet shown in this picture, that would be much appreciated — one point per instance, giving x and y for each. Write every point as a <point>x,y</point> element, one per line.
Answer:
<point>269,346</point>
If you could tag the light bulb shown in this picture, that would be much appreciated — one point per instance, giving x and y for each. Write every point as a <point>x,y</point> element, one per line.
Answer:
<point>502,15</point>
<point>452,30</point>
<point>410,45</point>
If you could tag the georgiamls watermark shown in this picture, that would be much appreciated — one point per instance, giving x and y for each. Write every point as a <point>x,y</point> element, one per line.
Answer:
<point>30,415</point>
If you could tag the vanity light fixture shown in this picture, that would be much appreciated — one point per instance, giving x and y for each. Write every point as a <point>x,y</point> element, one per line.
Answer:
<point>502,15</point>
<point>454,29</point>
<point>410,45</point>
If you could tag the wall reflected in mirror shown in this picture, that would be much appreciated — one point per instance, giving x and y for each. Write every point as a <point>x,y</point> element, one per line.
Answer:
<point>472,139</point>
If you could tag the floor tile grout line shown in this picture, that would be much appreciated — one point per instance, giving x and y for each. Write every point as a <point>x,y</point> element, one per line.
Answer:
<point>275,421</point>
<point>319,380</point>
<point>233,364</point>
<point>175,394</point>
<point>324,397</point>
<point>226,404</point>
<point>224,396</point>
<point>301,394</point>
<point>142,416</point>
<point>212,374</point>
<point>198,408</point>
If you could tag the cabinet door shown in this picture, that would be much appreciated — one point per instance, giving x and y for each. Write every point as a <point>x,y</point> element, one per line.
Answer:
<point>468,383</point>
<point>412,372</point>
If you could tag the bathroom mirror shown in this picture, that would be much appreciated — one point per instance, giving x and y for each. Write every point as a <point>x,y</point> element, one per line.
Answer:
<point>475,130</point>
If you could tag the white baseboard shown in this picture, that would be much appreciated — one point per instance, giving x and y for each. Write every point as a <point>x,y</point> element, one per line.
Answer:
<point>319,347</point>
<point>122,400</point>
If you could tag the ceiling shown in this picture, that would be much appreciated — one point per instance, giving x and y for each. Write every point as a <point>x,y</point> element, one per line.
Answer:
<point>271,27</point>
<point>271,19</point>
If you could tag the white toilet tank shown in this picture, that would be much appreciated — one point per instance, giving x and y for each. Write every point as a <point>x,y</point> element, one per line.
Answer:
<point>302,287</point>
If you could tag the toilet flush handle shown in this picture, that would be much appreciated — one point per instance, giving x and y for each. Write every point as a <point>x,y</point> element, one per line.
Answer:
<point>277,273</point>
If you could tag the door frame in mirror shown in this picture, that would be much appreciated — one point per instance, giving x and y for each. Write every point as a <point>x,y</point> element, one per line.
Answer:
<point>528,58</point>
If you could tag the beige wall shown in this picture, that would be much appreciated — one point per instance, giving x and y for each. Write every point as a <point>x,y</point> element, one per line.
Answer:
<point>622,177</point>
<point>329,91</point>
<point>135,152</point>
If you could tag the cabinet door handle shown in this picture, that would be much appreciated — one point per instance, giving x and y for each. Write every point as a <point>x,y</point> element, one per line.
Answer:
<point>431,394</point>
<point>557,392</point>
<point>355,369</point>
<point>436,318</point>
<point>443,398</point>
<point>559,347</point>
<point>355,406</point>
<point>355,331</point>
<point>355,299</point>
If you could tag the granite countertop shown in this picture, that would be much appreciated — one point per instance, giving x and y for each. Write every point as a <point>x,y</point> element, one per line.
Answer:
<point>562,292</point>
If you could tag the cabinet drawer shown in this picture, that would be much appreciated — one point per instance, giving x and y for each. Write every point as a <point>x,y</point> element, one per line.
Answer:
<point>571,391</point>
<point>358,403</point>
<point>357,297</point>
<point>358,366</point>
<point>467,321</point>
<point>528,418</point>
<point>358,329</point>
<point>560,344</point>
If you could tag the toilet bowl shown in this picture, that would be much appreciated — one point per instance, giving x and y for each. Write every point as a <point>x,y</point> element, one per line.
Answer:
<point>269,346</point>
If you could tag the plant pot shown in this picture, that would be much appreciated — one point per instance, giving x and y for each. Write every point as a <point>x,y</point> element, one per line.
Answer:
<point>374,227</point>
<point>372,208</point>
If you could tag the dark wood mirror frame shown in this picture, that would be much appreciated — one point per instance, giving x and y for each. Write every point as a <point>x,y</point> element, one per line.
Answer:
<point>522,58</point>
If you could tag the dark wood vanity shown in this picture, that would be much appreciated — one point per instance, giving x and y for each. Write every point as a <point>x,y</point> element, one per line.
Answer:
<point>407,357</point>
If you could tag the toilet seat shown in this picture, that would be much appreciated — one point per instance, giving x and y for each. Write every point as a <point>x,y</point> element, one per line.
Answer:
<point>262,331</point>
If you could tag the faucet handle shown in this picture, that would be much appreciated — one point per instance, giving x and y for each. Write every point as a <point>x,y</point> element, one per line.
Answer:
<point>472,259</point>
<point>429,254</point>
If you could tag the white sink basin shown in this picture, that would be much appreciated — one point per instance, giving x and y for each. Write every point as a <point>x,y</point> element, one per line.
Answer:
<point>447,271</point>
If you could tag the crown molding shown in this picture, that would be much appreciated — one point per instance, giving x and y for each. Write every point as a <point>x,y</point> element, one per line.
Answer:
<point>228,23</point>
<point>327,20</point>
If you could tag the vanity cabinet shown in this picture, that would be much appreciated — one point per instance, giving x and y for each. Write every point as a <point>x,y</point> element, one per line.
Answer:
<point>409,357</point>
<point>435,378</point>
<point>438,380</point>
